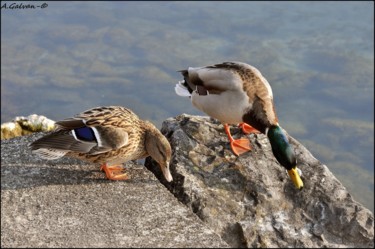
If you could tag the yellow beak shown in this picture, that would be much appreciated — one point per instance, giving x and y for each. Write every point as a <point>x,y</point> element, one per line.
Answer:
<point>293,173</point>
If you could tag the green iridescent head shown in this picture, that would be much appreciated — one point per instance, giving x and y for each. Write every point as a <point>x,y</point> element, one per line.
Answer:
<point>284,153</point>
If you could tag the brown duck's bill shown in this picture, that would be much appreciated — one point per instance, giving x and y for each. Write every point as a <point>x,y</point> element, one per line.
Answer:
<point>296,179</point>
<point>167,174</point>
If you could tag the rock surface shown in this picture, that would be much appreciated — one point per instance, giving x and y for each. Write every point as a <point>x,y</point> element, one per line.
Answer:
<point>250,200</point>
<point>69,203</point>
<point>246,201</point>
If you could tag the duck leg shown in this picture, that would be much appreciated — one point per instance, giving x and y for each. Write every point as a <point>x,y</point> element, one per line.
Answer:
<point>114,172</point>
<point>239,146</point>
<point>247,129</point>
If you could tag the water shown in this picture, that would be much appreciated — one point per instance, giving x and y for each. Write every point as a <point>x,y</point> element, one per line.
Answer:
<point>318,57</point>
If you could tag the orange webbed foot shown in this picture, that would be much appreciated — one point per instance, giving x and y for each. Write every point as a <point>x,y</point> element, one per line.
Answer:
<point>114,172</point>
<point>240,146</point>
<point>247,129</point>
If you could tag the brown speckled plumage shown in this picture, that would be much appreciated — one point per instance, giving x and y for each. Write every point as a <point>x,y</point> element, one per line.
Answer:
<point>108,135</point>
<point>255,86</point>
<point>122,118</point>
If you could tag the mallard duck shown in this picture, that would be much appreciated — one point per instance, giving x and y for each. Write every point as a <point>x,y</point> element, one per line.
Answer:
<point>237,93</point>
<point>107,135</point>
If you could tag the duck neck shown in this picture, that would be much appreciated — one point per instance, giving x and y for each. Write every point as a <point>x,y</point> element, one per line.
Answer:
<point>251,119</point>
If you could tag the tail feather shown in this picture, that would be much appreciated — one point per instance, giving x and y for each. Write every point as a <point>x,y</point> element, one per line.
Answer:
<point>181,90</point>
<point>49,154</point>
<point>57,144</point>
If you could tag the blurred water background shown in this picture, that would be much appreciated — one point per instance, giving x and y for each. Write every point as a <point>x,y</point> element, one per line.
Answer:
<point>318,57</point>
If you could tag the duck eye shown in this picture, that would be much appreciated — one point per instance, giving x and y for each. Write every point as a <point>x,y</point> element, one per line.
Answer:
<point>161,152</point>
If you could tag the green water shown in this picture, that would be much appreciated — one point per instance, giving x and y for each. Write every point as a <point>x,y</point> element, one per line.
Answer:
<point>318,57</point>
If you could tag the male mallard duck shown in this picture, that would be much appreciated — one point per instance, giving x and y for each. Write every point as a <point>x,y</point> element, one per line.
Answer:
<point>237,93</point>
<point>109,136</point>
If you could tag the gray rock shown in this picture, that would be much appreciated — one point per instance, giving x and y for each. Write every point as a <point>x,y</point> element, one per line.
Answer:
<point>69,203</point>
<point>250,200</point>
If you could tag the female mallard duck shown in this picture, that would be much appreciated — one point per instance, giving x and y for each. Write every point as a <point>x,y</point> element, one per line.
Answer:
<point>237,93</point>
<point>109,136</point>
